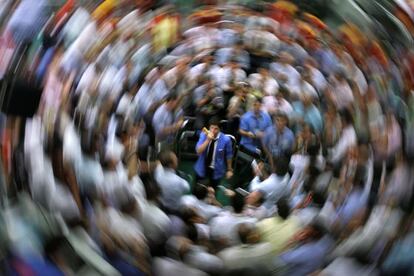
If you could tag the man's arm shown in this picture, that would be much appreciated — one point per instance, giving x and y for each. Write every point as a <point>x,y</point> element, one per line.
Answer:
<point>229,159</point>
<point>243,130</point>
<point>203,143</point>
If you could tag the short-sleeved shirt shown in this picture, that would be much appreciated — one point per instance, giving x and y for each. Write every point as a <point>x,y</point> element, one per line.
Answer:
<point>278,144</point>
<point>251,123</point>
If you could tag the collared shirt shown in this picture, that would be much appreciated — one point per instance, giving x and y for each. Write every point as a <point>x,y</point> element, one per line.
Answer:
<point>278,143</point>
<point>273,188</point>
<point>172,186</point>
<point>224,152</point>
<point>308,257</point>
<point>278,231</point>
<point>251,123</point>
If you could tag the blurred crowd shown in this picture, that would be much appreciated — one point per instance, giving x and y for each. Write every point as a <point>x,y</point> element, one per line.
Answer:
<point>302,137</point>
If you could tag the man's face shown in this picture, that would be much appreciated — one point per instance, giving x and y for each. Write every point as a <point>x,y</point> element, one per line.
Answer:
<point>280,123</point>
<point>214,129</point>
<point>256,107</point>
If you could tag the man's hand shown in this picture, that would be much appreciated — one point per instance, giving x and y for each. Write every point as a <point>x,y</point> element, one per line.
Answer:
<point>251,135</point>
<point>210,136</point>
<point>259,134</point>
<point>229,174</point>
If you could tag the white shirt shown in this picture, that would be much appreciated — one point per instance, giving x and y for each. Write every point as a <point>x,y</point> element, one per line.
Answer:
<point>172,186</point>
<point>155,222</point>
<point>348,139</point>
<point>274,187</point>
<point>226,226</point>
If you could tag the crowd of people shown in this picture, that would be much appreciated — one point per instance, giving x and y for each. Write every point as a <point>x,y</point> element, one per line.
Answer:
<point>326,121</point>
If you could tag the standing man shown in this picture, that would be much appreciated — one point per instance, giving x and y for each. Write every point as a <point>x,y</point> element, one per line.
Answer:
<point>215,155</point>
<point>278,140</point>
<point>252,126</point>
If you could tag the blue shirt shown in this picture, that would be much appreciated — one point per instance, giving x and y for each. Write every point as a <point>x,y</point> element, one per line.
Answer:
<point>308,257</point>
<point>278,144</point>
<point>224,152</point>
<point>310,115</point>
<point>251,123</point>
<point>354,203</point>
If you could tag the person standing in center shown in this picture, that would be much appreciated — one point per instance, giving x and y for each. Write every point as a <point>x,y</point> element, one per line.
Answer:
<point>215,155</point>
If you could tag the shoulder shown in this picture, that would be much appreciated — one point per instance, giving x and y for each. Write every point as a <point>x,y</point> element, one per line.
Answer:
<point>225,137</point>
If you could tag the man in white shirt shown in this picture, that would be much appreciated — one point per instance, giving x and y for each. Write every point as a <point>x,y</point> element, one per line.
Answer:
<point>347,139</point>
<point>172,186</point>
<point>272,188</point>
<point>223,228</point>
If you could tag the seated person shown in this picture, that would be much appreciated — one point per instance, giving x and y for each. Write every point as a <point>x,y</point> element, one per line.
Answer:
<point>272,188</point>
<point>280,228</point>
<point>172,186</point>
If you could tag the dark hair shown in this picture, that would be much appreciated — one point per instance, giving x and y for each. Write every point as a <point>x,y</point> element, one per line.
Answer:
<point>200,191</point>
<point>244,231</point>
<point>127,203</point>
<point>319,228</point>
<point>187,213</point>
<point>281,164</point>
<point>152,189</point>
<point>214,121</point>
<point>359,178</point>
<point>283,208</point>
<point>347,117</point>
<point>171,97</point>
<point>166,158</point>
<point>258,99</point>
<point>319,198</point>
<point>237,203</point>
<point>192,232</point>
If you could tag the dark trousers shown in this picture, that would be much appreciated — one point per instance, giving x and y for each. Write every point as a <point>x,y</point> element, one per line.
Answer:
<point>210,177</point>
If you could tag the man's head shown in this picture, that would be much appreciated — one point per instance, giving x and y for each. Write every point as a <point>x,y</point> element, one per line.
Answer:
<point>168,159</point>
<point>172,101</point>
<point>237,203</point>
<point>200,190</point>
<point>281,121</point>
<point>214,126</point>
<point>257,106</point>
<point>283,208</point>
<point>281,165</point>
<point>248,233</point>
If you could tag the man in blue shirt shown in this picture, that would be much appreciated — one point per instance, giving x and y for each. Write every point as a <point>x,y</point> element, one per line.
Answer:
<point>278,140</point>
<point>252,126</point>
<point>215,155</point>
